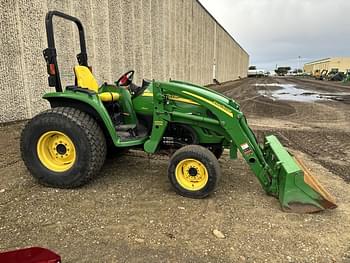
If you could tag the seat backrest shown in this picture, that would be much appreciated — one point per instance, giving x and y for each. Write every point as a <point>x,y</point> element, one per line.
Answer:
<point>85,79</point>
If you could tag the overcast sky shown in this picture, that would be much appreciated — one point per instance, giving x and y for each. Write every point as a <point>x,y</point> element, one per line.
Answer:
<point>278,31</point>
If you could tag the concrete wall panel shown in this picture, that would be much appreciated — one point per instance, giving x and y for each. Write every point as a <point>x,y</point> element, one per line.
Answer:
<point>15,99</point>
<point>160,39</point>
<point>33,69</point>
<point>147,39</point>
<point>100,26</point>
<point>115,38</point>
<point>138,39</point>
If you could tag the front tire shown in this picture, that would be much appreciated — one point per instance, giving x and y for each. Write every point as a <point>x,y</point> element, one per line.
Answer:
<point>63,147</point>
<point>194,171</point>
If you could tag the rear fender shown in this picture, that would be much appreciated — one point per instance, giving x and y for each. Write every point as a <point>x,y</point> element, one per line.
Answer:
<point>89,104</point>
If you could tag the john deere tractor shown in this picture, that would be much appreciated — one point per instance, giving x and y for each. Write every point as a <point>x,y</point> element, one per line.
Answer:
<point>66,145</point>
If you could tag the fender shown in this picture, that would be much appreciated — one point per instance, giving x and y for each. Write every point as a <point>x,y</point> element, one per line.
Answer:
<point>89,103</point>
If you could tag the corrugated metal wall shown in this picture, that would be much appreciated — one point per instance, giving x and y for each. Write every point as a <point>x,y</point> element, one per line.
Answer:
<point>160,39</point>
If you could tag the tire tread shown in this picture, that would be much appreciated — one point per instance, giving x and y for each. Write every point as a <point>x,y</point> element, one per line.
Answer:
<point>92,131</point>
<point>201,153</point>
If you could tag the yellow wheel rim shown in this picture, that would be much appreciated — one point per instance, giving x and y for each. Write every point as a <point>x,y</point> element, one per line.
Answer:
<point>191,174</point>
<point>56,151</point>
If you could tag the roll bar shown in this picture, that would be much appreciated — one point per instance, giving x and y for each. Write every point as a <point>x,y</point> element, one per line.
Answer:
<point>50,53</point>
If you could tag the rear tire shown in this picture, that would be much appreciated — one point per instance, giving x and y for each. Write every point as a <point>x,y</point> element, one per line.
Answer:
<point>194,171</point>
<point>63,147</point>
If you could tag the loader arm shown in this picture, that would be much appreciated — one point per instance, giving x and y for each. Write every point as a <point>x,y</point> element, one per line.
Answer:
<point>278,173</point>
<point>228,117</point>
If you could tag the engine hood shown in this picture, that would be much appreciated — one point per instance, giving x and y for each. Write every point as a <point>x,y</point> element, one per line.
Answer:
<point>186,88</point>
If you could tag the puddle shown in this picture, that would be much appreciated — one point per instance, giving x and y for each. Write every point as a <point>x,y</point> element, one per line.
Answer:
<point>293,93</point>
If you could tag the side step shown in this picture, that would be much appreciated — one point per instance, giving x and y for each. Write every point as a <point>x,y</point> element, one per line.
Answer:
<point>131,132</point>
<point>125,127</point>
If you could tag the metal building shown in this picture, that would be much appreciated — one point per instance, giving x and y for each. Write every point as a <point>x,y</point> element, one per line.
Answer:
<point>336,64</point>
<point>160,39</point>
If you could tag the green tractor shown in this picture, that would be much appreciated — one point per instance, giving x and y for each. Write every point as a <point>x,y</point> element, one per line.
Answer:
<point>66,146</point>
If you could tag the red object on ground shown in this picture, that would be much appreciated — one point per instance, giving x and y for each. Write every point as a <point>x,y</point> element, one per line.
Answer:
<point>30,255</point>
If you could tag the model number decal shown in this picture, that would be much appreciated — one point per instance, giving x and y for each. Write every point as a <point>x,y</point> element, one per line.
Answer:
<point>159,123</point>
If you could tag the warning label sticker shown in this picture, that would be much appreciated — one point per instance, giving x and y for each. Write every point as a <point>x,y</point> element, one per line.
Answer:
<point>246,149</point>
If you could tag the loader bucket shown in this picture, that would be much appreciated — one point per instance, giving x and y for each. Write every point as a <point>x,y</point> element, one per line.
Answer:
<point>297,190</point>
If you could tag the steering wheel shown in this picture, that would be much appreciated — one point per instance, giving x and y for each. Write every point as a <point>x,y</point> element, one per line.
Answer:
<point>126,79</point>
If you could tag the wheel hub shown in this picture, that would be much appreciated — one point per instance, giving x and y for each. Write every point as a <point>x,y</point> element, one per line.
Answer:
<point>191,174</point>
<point>56,151</point>
<point>61,149</point>
<point>192,171</point>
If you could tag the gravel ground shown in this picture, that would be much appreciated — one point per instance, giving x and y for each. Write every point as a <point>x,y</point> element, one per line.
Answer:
<point>131,214</point>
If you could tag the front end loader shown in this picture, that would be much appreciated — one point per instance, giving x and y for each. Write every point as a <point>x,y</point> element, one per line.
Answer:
<point>66,145</point>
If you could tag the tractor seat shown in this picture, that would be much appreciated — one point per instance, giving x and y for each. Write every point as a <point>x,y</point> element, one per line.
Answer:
<point>86,80</point>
